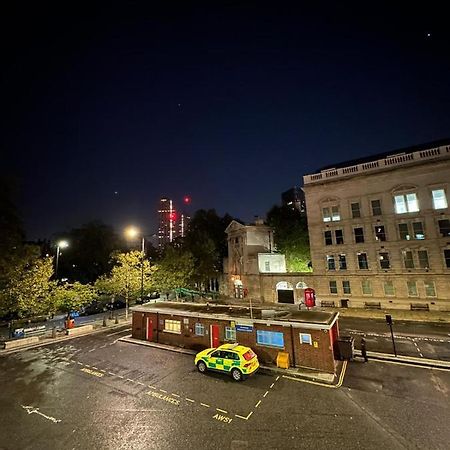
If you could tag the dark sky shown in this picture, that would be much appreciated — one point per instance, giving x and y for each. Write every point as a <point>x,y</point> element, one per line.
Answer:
<point>229,102</point>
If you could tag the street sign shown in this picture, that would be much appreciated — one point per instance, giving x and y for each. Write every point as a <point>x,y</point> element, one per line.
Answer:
<point>245,328</point>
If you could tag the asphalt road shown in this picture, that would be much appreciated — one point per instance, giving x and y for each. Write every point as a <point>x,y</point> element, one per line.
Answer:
<point>418,339</point>
<point>96,392</point>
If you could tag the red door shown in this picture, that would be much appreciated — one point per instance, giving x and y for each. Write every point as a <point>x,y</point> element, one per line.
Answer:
<point>215,342</point>
<point>148,329</point>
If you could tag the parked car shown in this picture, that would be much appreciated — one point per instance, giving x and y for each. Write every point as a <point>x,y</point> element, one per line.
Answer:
<point>237,360</point>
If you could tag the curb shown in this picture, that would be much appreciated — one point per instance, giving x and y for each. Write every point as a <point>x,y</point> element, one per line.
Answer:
<point>170,348</point>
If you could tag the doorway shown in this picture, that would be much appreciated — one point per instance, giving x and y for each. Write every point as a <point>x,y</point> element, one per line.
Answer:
<point>215,336</point>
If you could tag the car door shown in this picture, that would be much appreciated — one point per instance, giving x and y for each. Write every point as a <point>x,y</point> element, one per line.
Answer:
<point>229,360</point>
<point>215,361</point>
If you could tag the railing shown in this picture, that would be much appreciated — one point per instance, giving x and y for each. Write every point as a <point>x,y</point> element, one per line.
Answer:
<point>390,161</point>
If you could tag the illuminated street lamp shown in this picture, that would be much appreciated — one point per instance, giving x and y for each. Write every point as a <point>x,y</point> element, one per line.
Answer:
<point>59,245</point>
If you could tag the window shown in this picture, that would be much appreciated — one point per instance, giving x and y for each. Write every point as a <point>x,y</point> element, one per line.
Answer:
<point>328,238</point>
<point>359,235</point>
<point>172,326</point>
<point>326,214</point>
<point>430,290</point>
<point>376,207</point>
<point>447,258</point>
<point>384,260</point>
<point>339,236</point>
<point>335,216</point>
<point>439,199</point>
<point>412,289</point>
<point>199,329</point>
<point>389,288</point>
<point>408,260</point>
<point>423,259</point>
<point>305,339</point>
<point>270,338</point>
<point>362,261</point>
<point>403,231</point>
<point>267,266</point>
<point>380,235</point>
<point>356,212</point>
<point>418,230</point>
<point>346,287</point>
<point>366,287</point>
<point>230,334</point>
<point>342,262</point>
<point>444,227</point>
<point>405,203</point>
<point>331,265</point>
<point>333,287</point>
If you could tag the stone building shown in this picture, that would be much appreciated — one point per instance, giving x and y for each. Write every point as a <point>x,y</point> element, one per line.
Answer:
<point>379,230</point>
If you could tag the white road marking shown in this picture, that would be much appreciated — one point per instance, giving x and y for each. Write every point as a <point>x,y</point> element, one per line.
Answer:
<point>418,349</point>
<point>271,386</point>
<point>205,405</point>
<point>78,362</point>
<point>241,417</point>
<point>266,393</point>
<point>113,374</point>
<point>92,350</point>
<point>278,377</point>
<point>258,404</point>
<point>33,410</point>
<point>190,400</point>
<point>248,417</point>
<point>118,332</point>
<point>120,376</point>
<point>222,411</point>
<point>151,387</point>
<point>139,382</point>
<point>175,395</point>
<point>162,390</point>
<point>130,380</point>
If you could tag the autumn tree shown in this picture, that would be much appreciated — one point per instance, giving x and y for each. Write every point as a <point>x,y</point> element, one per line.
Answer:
<point>73,297</point>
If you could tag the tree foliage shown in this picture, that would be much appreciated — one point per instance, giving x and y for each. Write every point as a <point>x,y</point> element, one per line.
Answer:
<point>291,237</point>
<point>73,297</point>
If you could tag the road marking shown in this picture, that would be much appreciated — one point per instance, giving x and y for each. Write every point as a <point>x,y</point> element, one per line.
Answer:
<point>241,417</point>
<point>86,365</point>
<point>103,370</point>
<point>118,332</point>
<point>151,387</point>
<point>113,374</point>
<point>166,398</point>
<point>278,377</point>
<point>33,410</point>
<point>418,349</point>
<point>205,405</point>
<point>258,404</point>
<point>190,400</point>
<point>101,346</point>
<point>248,417</point>
<point>92,372</point>
<point>222,411</point>
<point>92,350</point>
<point>175,395</point>
<point>78,362</point>
<point>271,386</point>
<point>265,393</point>
<point>130,380</point>
<point>139,382</point>
<point>120,376</point>
<point>95,368</point>
<point>162,390</point>
<point>221,418</point>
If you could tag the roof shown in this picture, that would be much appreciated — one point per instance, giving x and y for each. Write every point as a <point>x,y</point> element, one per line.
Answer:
<point>406,150</point>
<point>306,319</point>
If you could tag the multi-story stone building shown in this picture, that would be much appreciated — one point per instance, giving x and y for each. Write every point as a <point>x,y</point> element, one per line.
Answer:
<point>379,230</point>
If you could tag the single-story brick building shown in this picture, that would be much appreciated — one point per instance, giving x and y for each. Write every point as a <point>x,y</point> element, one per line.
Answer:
<point>310,337</point>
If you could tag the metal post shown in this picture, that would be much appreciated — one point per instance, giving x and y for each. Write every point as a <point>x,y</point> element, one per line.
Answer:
<point>393,341</point>
<point>142,268</point>
<point>57,261</point>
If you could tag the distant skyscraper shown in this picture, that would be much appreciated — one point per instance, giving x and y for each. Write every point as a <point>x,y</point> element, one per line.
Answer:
<point>183,224</point>
<point>294,198</point>
<point>167,222</point>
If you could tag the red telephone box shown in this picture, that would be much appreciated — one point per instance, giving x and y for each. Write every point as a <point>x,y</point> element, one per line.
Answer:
<point>310,297</point>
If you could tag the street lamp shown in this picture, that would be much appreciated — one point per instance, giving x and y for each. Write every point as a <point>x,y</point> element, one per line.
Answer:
<point>59,245</point>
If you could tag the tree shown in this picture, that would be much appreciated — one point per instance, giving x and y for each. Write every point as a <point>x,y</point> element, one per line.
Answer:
<point>73,297</point>
<point>291,237</point>
<point>126,275</point>
<point>174,270</point>
<point>28,290</point>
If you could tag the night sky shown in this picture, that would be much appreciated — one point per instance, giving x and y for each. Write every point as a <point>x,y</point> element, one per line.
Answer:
<point>108,108</point>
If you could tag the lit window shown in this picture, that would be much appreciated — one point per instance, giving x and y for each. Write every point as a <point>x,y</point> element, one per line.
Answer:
<point>339,234</point>
<point>362,261</point>
<point>404,231</point>
<point>405,203</point>
<point>331,265</point>
<point>342,262</point>
<point>412,289</point>
<point>172,326</point>
<point>230,334</point>
<point>408,260</point>
<point>447,258</point>
<point>384,260</point>
<point>356,212</point>
<point>328,238</point>
<point>430,290</point>
<point>346,287</point>
<point>270,338</point>
<point>335,216</point>
<point>359,235</point>
<point>199,329</point>
<point>389,288</point>
<point>380,234</point>
<point>305,339</point>
<point>333,287</point>
<point>439,199</point>
<point>267,266</point>
<point>366,287</point>
<point>423,259</point>
<point>444,227</point>
<point>376,207</point>
<point>418,230</point>
<point>326,214</point>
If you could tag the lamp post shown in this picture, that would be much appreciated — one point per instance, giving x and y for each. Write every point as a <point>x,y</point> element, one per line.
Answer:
<point>59,245</point>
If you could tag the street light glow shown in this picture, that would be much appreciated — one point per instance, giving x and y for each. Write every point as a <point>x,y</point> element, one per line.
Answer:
<point>132,232</point>
<point>63,244</point>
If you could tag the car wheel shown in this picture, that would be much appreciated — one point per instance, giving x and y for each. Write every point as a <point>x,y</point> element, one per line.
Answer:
<point>201,366</point>
<point>236,374</point>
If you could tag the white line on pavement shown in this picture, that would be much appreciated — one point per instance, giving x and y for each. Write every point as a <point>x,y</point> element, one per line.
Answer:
<point>118,332</point>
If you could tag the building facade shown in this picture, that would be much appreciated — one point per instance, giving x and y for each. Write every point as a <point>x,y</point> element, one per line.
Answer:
<point>379,230</point>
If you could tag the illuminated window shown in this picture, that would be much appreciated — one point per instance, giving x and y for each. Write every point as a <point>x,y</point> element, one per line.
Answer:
<point>408,260</point>
<point>418,230</point>
<point>412,289</point>
<point>423,259</point>
<point>346,287</point>
<point>331,265</point>
<point>430,290</point>
<point>230,334</point>
<point>405,203</point>
<point>439,199</point>
<point>326,214</point>
<point>267,266</point>
<point>172,326</point>
<point>366,287</point>
<point>270,338</point>
<point>305,338</point>
<point>356,212</point>
<point>362,261</point>
<point>333,287</point>
<point>389,288</point>
<point>376,207</point>
<point>199,329</point>
<point>335,216</point>
<point>384,260</point>
<point>380,234</point>
<point>359,235</point>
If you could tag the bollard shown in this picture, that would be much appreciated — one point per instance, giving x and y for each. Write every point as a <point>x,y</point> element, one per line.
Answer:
<point>54,332</point>
<point>104,321</point>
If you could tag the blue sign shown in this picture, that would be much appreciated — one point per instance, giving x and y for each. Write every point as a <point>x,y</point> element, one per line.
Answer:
<point>246,328</point>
